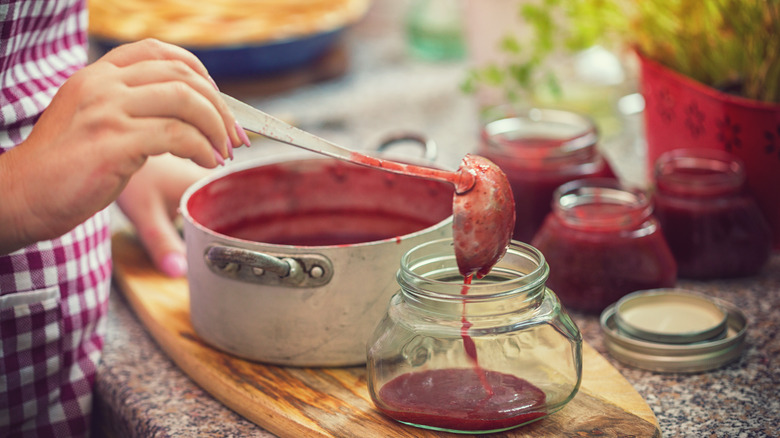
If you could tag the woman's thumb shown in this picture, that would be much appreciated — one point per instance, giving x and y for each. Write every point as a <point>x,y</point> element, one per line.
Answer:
<point>157,232</point>
<point>163,243</point>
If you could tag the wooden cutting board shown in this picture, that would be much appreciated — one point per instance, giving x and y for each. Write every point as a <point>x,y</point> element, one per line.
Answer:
<point>334,402</point>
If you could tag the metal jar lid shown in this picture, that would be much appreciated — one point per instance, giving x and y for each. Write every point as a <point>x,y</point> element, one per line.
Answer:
<point>709,342</point>
<point>670,316</point>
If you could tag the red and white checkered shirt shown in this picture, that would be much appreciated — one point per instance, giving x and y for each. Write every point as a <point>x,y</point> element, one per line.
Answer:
<point>53,294</point>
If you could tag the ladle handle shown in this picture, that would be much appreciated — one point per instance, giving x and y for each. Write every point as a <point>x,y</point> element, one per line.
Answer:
<point>254,120</point>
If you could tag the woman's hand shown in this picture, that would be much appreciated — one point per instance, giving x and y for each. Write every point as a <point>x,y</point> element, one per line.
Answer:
<point>151,200</point>
<point>139,100</point>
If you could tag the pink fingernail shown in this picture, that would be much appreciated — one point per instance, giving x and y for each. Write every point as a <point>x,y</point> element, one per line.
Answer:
<point>174,264</point>
<point>230,148</point>
<point>242,135</point>
<point>214,83</point>
<point>218,156</point>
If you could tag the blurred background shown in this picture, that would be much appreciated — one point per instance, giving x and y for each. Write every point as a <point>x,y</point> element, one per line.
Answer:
<point>357,71</point>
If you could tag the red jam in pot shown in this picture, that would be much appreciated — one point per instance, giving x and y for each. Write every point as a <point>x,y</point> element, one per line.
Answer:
<point>325,228</point>
<point>602,242</point>
<point>714,228</point>
<point>319,202</point>
<point>540,150</point>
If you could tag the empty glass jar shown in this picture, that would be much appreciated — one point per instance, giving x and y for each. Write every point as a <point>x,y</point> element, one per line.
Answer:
<point>602,242</point>
<point>540,149</point>
<point>714,228</point>
<point>478,358</point>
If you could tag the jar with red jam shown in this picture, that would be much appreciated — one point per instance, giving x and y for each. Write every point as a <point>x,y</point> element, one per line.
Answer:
<point>714,227</point>
<point>602,242</point>
<point>483,357</point>
<point>539,150</point>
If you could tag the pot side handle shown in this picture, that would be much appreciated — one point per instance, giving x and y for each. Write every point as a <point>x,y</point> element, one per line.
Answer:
<point>297,271</point>
<point>429,147</point>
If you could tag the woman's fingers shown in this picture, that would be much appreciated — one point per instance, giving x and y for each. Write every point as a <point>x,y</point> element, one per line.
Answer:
<point>151,61</point>
<point>161,239</point>
<point>176,100</point>
<point>146,209</point>
<point>150,49</point>
<point>160,135</point>
<point>172,71</point>
<point>151,199</point>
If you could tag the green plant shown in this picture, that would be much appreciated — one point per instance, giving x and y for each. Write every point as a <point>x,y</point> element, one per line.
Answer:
<point>731,45</point>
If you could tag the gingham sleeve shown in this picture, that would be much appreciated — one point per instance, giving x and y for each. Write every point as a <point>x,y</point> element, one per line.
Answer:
<point>53,294</point>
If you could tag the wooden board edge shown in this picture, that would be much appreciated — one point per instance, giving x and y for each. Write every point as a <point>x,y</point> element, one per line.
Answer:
<point>622,394</point>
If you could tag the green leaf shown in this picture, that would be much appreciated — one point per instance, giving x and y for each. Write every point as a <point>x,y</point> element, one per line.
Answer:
<point>493,75</point>
<point>521,73</point>
<point>469,84</point>
<point>554,85</point>
<point>510,44</point>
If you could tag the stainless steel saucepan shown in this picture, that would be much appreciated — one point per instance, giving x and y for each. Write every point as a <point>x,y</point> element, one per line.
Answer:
<point>293,262</point>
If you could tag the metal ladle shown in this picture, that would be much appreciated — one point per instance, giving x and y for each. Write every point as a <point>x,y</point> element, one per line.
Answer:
<point>483,206</point>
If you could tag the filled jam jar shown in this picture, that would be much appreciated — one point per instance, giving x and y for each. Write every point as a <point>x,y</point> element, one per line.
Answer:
<point>487,356</point>
<point>539,150</point>
<point>714,227</point>
<point>602,242</point>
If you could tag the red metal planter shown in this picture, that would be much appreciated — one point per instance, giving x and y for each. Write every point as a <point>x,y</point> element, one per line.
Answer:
<point>683,113</point>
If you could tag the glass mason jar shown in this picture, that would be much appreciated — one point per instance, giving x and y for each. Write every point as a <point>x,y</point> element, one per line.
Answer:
<point>602,242</point>
<point>714,228</point>
<point>539,150</point>
<point>485,357</point>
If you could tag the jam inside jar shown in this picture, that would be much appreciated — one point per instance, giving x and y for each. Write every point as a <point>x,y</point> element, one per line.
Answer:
<point>714,228</point>
<point>602,242</point>
<point>483,357</point>
<point>539,150</point>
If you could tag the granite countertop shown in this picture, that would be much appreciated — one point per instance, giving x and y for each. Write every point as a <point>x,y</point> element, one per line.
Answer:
<point>140,392</point>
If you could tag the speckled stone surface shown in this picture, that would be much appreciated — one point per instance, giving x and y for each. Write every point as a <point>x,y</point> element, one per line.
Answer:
<point>742,399</point>
<point>141,393</point>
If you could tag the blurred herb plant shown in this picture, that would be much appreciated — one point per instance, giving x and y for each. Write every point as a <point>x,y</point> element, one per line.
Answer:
<point>731,45</point>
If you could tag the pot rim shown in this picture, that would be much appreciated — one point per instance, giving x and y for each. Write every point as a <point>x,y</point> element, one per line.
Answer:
<point>276,159</point>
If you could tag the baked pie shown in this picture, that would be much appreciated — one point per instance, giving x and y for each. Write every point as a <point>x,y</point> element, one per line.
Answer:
<point>219,23</point>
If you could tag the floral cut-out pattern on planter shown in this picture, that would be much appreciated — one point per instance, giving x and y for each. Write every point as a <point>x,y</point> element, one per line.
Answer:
<point>772,146</point>
<point>683,113</point>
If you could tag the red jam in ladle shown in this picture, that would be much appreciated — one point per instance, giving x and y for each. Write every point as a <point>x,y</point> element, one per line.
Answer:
<point>483,217</point>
